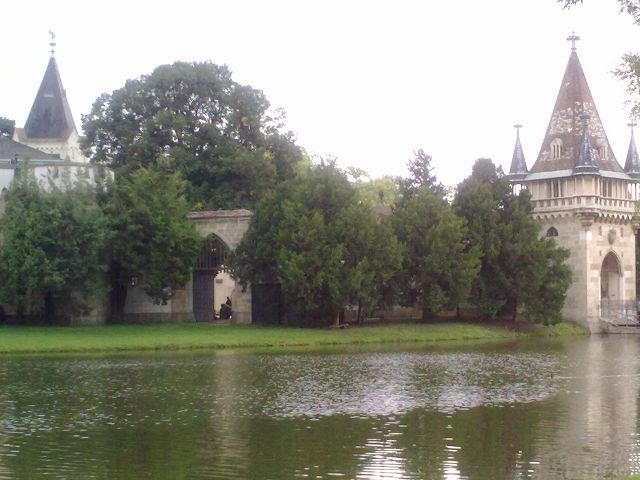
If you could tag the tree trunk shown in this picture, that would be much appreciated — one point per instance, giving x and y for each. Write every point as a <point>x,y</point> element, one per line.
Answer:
<point>118,295</point>
<point>359,317</point>
<point>49,309</point>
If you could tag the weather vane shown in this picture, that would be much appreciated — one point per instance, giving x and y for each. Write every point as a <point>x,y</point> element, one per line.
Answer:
<point>573,38</point>
<point>52,44</point>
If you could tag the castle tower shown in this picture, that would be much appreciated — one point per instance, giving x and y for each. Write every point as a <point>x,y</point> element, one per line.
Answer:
<point>50,127</point>
<point>583,198</point>
<point>518,170</point>
<point>632,165</point>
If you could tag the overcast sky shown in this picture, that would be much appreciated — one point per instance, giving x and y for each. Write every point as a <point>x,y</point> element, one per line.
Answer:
<point>365,81</point>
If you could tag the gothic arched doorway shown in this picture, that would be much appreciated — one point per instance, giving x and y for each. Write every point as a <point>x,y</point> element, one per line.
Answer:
<point>610,276</point>
<point>210,269</point>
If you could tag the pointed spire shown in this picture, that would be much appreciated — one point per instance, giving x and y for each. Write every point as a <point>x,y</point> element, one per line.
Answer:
<point>50,116</point>
<point>561,147</point>
<point>585,162</point>
<point>518,163</point>
<point>632,165</point>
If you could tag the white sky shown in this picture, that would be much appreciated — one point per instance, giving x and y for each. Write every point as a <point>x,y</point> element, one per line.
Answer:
<point>366,81</point>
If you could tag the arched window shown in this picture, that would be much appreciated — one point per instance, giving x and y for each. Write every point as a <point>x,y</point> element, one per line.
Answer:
<point>602,150</point>
<point>556,148</point>
<point>552,232</point>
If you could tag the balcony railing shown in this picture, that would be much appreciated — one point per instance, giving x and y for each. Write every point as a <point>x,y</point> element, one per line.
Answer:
<point>584,200</point>
<point>620,313</point>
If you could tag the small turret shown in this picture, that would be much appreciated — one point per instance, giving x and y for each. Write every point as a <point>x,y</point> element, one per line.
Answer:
<point>632,165</point>
<point>585,162</point>
<point>518,169</point>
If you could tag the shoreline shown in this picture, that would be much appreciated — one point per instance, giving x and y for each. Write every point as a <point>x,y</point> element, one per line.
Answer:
<point>192,336</point>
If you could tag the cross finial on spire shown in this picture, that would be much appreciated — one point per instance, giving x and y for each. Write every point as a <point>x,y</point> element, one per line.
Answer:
<point>517,126</point>
<point>52,43</point>
<point>631,124</point>
<point>573,38</point>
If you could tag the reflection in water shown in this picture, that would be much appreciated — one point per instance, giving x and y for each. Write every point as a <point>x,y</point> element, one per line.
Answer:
<point>552,410</point>
<point>600,418</point>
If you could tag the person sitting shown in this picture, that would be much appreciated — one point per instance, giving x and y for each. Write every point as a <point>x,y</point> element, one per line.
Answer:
<point>225,310</point>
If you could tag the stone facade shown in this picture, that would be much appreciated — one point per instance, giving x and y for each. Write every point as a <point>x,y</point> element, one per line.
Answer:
<point>585,200</point>
<point>590,227</point>
<point>229,226</point>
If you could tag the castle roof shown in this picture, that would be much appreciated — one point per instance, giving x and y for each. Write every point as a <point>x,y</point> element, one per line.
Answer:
<point>632,165</point>
<point>10,148</point>
<point>586,162</point>
<point>518,164</point>
<point>50,116</point>
<point>566,139</point>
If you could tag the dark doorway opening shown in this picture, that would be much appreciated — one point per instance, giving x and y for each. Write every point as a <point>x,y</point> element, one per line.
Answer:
<point>211,261</point>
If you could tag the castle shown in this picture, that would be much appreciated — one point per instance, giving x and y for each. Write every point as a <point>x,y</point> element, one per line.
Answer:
<point>49,146</point>
<point>586,201</point>
<point>580,195</point>
<point>49,143</point>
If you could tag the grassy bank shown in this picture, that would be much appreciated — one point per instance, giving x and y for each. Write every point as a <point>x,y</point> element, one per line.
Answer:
<point>199,336</point>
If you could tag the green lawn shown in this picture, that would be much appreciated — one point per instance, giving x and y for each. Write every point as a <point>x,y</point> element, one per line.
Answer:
<point>193,336</point>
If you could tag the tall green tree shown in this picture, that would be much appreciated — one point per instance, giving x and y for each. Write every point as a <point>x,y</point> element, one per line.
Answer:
<point>152,241</point>
<point>479,200</point>
<point>51,255</point>
<point>323,246</point>
<point>544,294</point>
<point>377,191</point>
<point>518,268</point>
<point>439,267</point>
<point>223,140</point>
<point>421,176</point>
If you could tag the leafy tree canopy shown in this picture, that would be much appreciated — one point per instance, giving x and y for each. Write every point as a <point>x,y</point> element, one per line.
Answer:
<point>377,191</point>
<point>323,246</point>
<point>219,133</point>
<point>51,256</point>
<point>421,176</point>
<point>515,262</point>
<point>153,240</point>
<point>438,267</point>
<point>632,7</point>
<point>7,126</point>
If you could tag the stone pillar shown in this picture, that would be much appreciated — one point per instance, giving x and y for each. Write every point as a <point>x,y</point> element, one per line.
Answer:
<point>241,301</point>
<point>591,274</point>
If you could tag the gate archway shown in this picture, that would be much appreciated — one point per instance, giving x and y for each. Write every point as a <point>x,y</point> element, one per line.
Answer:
<point>211,261</point>
<point>610,279</point>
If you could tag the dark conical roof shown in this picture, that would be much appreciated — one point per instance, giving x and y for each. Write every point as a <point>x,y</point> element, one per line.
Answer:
<point>632,165</point>
<point>564,133</point>
<point>50,116</point>
<point>518,163</point>
<point>585,162</point>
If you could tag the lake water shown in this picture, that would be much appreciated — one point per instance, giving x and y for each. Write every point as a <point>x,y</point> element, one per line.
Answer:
<point>550,410</point>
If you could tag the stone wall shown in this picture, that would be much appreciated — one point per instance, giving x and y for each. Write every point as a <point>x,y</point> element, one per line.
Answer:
<point>229,226</point>
<point>589,236</point>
